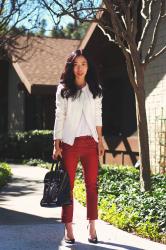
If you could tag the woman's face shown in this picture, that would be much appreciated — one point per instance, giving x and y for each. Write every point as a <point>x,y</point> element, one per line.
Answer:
<point>80,68</point>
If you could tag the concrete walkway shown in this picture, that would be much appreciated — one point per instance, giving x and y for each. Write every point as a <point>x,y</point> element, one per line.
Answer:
<point>24,225</point>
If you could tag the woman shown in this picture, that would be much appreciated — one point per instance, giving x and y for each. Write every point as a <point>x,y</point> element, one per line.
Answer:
<point>78,133</point>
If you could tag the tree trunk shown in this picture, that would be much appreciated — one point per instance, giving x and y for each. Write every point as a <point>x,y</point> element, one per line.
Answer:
<point>143,134</point>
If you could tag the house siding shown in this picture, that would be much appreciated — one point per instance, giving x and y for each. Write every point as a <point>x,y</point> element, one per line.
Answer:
<point>15,102</point>
<point>3,96</point>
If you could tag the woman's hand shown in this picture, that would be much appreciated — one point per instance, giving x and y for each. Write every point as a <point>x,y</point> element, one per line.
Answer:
<point>100,148</point>
<point>57,150</point>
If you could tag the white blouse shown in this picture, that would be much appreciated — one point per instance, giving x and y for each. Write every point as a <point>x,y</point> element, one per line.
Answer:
<point>83,128</point>
<point>69,113</point>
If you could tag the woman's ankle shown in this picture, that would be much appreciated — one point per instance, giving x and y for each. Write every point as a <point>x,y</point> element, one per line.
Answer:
<point>92,223</point>
<point>69,230</point>
<point>68,225</point>
<point>92,228</point>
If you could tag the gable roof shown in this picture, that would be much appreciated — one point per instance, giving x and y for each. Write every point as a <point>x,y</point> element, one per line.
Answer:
<point>43,61</point>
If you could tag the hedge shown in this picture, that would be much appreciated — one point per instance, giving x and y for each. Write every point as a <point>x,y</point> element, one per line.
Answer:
<point>26,145</point>
<point>5,173</point>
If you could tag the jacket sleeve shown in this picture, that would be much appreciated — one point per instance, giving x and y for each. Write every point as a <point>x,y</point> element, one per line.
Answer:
<point>98,106</point>
<point>60,114</point>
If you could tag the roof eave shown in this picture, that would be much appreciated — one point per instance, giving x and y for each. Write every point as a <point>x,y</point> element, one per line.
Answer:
<point>22,76</point>
<point>87,36</point>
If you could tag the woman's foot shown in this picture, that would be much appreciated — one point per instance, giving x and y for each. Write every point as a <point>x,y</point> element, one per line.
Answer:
<point>69,237</point>
<point>92,232</point>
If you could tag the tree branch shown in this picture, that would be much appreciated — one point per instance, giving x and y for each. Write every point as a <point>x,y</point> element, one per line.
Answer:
<point>103,29</point>
<point>163,50</point>
<point>119,38</point>
<point>154,35</point>
<point>2,6</point>
<point>125,9</point>
<point>147,23</point>
<point>134,20</point>
<point>116,22</point>
<point>130,70</point>
<point>70,11</point>
<point>143,9</point>
<point>14,13</point>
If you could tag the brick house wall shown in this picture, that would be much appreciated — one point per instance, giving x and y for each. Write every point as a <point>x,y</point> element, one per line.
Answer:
<point>155,88</point>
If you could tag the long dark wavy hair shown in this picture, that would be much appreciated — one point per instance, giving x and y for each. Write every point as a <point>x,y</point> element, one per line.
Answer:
<point>68,78</point>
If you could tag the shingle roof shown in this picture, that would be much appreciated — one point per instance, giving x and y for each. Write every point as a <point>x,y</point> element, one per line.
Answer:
<point>44,61</point>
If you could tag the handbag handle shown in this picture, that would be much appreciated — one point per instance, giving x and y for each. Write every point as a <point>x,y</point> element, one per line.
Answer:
<point>56,162</point>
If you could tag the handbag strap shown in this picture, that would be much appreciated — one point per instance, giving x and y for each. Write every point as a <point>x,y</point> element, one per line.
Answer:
<point>56,163</point>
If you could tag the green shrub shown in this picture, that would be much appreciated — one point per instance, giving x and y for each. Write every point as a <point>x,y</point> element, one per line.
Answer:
<point>149,230</point>
<point>37,162</point>
<point>5,173</point>
<point>26,145</point>
<point>122,204</point>
<point>79,191</point>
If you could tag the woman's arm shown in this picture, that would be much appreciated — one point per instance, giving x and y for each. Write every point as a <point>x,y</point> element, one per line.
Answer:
<point>100,139</point>
<point>98,107</point>
<point>60,114</point>
<point>98,102</point>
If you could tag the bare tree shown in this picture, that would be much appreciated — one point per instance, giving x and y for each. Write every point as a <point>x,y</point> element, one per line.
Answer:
<point>121,28</point>
<point>17,17</point>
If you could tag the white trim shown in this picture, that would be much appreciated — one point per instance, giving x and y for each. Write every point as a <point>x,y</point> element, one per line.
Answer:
<point>87,35</point>
<point>22,76</point>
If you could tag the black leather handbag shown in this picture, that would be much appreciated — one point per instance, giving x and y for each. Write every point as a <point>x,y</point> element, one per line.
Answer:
<point>56,186</point>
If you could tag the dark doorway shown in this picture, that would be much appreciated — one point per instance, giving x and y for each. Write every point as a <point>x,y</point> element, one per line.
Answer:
<point>119,115</point>
<point>119,112</point>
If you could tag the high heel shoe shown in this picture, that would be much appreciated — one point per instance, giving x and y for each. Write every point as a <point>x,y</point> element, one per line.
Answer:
<point>93,240</point>
<point>68,240</point>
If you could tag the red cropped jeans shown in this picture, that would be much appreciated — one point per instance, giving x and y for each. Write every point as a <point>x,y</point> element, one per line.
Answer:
<point>84,149</point>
